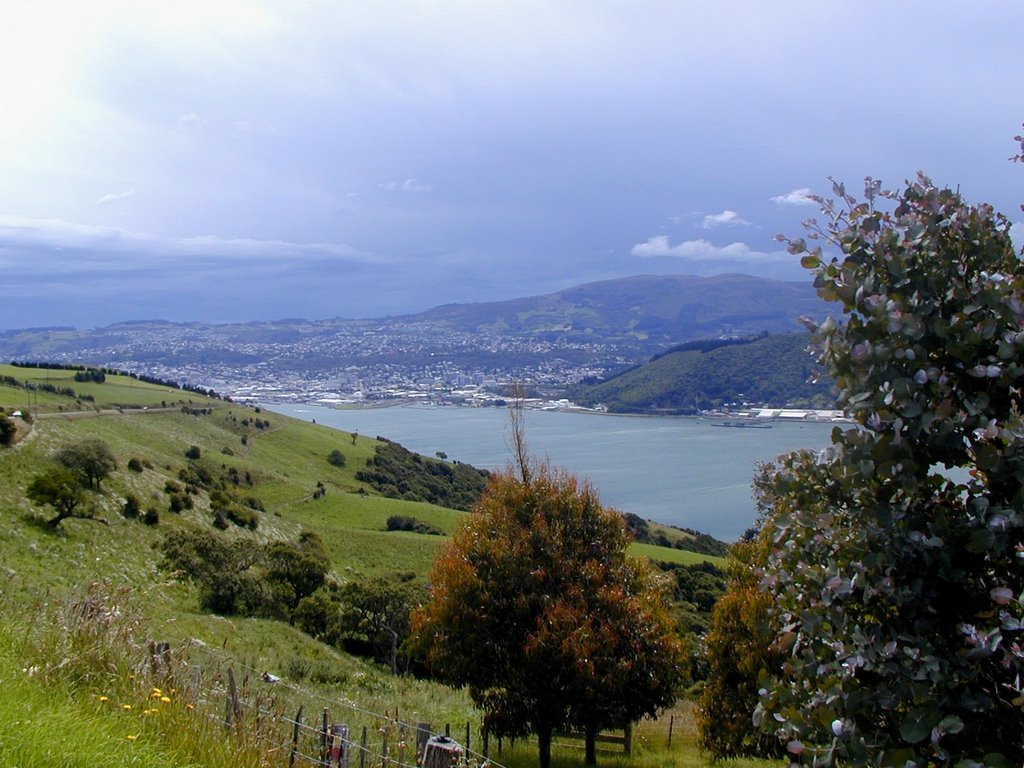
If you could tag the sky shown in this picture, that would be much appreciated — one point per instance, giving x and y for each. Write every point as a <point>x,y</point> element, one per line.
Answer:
<point>244,160</point>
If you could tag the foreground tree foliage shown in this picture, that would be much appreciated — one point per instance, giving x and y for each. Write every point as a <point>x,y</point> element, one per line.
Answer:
<point>538,610</point>
<point>898,557</point>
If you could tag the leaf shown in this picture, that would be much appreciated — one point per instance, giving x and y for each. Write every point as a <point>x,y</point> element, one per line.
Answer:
<point>918,724</point>
<point>810,261</point>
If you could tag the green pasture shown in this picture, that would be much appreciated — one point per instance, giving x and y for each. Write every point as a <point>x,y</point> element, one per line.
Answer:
<point>116,391</point>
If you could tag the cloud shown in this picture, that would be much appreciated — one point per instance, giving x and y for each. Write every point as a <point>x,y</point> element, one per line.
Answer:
<point>726,217</point>
<point>409,185</point>
<point>659,246</point>
<point>72,248</point>
<point>112,196</point>
<point>800,196</point>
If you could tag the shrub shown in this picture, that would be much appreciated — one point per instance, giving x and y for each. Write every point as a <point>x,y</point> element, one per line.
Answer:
<point>134,464</point>
<point>132,506</point>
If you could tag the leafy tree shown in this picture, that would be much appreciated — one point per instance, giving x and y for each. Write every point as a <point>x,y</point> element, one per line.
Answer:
<point>377,612</point>
<point>740,650</point>
<point>296,572</point>
<point>92,458</point>
<point>221,568</point>
<point>536,607</point>
<point>898,581</point>
<point>62,489</point>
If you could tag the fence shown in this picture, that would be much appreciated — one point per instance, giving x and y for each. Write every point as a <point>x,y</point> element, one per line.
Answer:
<point>331,732</point>
<point>313,729</point>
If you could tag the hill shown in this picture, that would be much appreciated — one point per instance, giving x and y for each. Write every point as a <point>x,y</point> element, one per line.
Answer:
<point>601,326</point>
<point>768,369</point>
<point>281,489</point>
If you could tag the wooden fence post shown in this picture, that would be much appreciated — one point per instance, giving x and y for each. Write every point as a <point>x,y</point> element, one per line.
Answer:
<point>466,745</point>
<point>627,744</point>
<point>362,749</point>
<point>486,739</point>
<point>295,737</point>
<point>384,749</point>
<point>422,737</point>
<point>339,746</point>
<point>324,734</point>
<point>671,723</point>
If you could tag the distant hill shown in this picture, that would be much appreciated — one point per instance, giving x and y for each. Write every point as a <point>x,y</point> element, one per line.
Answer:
<point>770,369</point>
<point>606,325</point>
<point>665,307</point>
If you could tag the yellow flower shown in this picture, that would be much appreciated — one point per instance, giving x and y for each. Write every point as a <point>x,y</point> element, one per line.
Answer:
<point>104,698</point>
<point>132,737</point>
<point>126,707</point>
<point>165,699</point>
<point>190,706</point>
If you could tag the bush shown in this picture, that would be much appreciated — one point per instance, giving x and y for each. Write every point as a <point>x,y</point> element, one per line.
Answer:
<point>132,506</point>
<point>134,464</point>
<point>7,430</point>
<point>404,523</point>
<point>193,452</point>
<point>336,458</point>
<point>152,516</point>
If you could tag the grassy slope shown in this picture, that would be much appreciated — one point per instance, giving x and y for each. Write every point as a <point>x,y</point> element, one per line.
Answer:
<point>286,459</point>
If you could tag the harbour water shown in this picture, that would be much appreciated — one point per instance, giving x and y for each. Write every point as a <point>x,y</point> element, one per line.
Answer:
<point>681,471</point>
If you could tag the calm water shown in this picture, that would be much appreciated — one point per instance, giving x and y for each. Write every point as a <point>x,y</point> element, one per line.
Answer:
<point>680,471</point>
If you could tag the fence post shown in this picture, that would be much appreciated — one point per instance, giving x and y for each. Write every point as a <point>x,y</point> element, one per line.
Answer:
<point>486,736</point>
<point>324,734</point>
<point>422,737</point>
<point>295,737</point>
<point>339,745</point>
<point>362,750</point>
<point>384,749</point>
<point>671,722</point>
<point>627,747</point>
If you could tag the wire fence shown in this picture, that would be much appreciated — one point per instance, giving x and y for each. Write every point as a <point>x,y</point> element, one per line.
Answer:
<point>323,731</point>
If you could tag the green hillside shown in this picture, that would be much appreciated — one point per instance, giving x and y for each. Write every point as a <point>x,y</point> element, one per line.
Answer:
<point>769,369</point>
<point>184,451</point>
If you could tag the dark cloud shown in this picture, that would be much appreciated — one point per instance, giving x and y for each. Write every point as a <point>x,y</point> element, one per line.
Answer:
<point>356,158</point>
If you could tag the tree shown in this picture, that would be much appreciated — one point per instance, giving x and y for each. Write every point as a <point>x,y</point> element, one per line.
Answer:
<point>336,458</point>
<point>376,612</point>
<point>896,564</point>
<point>537,608</point>
<point>740,650</point>
<point>92,458</point>
<point>62,489</point>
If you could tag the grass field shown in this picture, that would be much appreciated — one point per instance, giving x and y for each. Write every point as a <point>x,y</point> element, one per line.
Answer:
<point>284,460</point>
